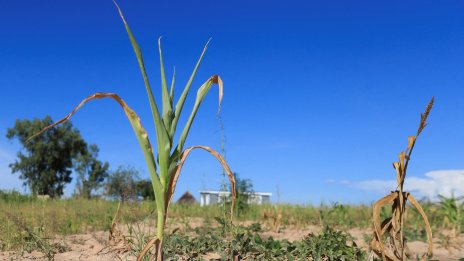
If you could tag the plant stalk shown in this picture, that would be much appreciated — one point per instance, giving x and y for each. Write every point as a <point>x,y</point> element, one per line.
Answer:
<point>160,234</point>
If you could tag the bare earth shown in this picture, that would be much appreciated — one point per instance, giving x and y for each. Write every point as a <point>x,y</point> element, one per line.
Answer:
<point>97,246</point>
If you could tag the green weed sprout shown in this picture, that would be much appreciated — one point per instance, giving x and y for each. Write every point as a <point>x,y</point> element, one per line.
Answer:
<point>165,170</point>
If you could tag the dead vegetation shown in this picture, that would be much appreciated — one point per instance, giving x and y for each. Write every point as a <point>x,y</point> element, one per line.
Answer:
<point>389,242</point>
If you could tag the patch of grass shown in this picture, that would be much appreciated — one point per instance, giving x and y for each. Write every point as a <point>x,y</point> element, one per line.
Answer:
<point>46,219</point>
<point>34,239</point>
<point>62,217</point>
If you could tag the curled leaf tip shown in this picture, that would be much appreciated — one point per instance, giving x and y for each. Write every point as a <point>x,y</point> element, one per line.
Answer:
<point>217,80</point>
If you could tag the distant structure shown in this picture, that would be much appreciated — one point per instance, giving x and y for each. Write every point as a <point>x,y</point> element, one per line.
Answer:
<point>187,199</point>
<point>210,197</point>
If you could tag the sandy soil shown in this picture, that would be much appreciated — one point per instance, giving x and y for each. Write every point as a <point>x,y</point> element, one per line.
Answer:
<point>97,246</point>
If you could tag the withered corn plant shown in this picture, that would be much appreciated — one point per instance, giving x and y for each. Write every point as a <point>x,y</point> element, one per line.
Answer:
<point>165,170</point>
<point>388,241</point>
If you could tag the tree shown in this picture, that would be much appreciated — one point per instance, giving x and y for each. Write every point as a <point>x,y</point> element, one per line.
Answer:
<point>122,183</point>
<point>144,189</point>
<point>91,171</point>
<point>243,190</point>
<point>45,164</point>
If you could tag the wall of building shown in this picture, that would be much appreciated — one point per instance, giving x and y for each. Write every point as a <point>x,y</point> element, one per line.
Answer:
<point>212,197</point>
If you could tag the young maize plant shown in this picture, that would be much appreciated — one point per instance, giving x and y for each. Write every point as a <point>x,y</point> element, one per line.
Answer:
<point>165,170</point>
<point>393,227</point>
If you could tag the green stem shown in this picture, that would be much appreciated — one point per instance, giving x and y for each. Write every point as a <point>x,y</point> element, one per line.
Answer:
<point>160,234</point>
<point>160,225</point>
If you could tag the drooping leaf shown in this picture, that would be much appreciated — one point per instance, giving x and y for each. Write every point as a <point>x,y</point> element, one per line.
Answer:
<point>202,91</point>
<point>426,221</point>
<point>139,131</point>
<point>377,242</point>
<point>153,242</point>
<point>183,157</point>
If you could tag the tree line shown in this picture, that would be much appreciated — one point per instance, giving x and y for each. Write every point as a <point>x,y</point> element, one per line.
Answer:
<point>46,164</point>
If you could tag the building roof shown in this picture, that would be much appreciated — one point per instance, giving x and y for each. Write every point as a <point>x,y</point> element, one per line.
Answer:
<point>187,199</point>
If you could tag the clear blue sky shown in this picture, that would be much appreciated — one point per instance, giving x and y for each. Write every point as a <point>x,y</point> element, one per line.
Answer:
<point>319,96</point>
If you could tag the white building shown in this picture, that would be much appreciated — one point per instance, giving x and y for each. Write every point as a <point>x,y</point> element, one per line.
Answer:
<point>210,197</point>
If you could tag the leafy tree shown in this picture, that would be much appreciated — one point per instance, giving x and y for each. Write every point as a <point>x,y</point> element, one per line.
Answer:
<point>45,164</point>
<point>243,190</point>
<point>122,183</point>
<point>144,189</point>
<point>91,171</point>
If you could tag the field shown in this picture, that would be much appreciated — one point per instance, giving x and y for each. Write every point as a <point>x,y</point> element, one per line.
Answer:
<point>397,227</point>
<point>77,229</point>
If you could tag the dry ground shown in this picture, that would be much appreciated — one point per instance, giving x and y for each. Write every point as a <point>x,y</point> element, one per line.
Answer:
<point>97,246</point>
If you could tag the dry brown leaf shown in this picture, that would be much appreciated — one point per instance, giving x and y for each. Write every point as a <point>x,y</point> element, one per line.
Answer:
<point>217,80</point>
<point>411,141</point>
<point>426,221</point>
<point>178,169</point>
<point>377,242</point>
<point>394,225</point>
<point>153,241</point>
<point>113,230</point>
<point>131,115</point>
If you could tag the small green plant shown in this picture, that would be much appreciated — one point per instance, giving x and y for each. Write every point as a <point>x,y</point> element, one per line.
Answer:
<point>330,245</point>
<point>138,237</point>
<point>170,157</point>
<point>246,243</point>
<point>452,211</point>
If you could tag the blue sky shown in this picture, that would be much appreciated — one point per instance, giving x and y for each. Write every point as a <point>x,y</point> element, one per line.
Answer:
<point>319,96</point>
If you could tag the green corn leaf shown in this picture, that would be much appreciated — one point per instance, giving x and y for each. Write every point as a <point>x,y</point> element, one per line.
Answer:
<point>201,93</point>
<point>138,54</point>
<point>162,136</point>
<point>183,96</point>
<point>167,105</point>
<point>171,92</point>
